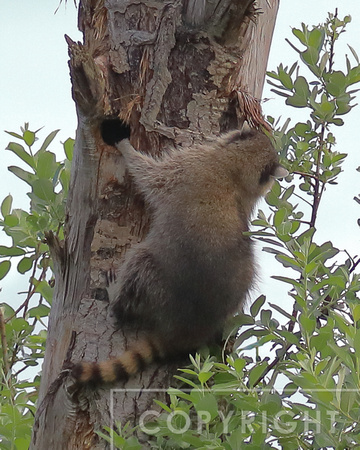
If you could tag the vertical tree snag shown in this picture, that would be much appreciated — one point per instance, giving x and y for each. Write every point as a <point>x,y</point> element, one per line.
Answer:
<point>177,72</point>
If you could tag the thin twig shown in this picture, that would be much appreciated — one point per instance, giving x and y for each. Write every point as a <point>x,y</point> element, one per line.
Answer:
<point>14,354</point>
<point>273,364</point>
<point>4,341</point>
<point>354,265</point>
<point>304,174</point>
<point>331,52</point>
<point>20,370</point>
<point>30,292</point>
<point>305,201</point>
<point>31,289</point>
<point>317,191</point>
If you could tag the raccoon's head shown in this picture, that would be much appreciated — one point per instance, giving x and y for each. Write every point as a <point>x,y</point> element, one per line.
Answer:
<point>255,161</point>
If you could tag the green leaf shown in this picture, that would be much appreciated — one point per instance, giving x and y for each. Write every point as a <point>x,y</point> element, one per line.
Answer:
<point>271,198</point>
<point>356,313</point>
<point>282,94</point>
<point>28,177</point>
<point>308,323</point>
<point>300,35</point>
<point>288,280</point>
<point>302,146</point>
<point>39,311</point>
<point>11,220</point>
<point>22,443</point>
<point>265,316</point>
<point>301,94</point>
<point>271,403</point>
<point>338,122</point>
<point>256,372</point>
<point>296,101</point>
<point>204,376</point>
<point>249,334</point>
<point>290,337</point>
<point>354,54</point>
<point>310,58</point>
<point>44,190</point>
<point>324,252</point>
<point>186,380</point>
<point>306,236</point>
<point>256,306</point>
<point>302,88</point>
<point>48,141</point>
<point>336,83</point>
<point>12,133</point>
<point>11,251</point>
<point>354,75</point>
<point>65,179</point>
<point>21,153</point>
<point>343,355</point>
<point>327,108</point>
<point>19,324</point>
<point>4,268</point>
<point>208,404</point>
<point>325,396</point>
<point>29,137</point>
<point>25,264</point>
<point>261,342</point>
<point>239,365</point>
<point>6,205</point>
<point>241,319</point>
<point>46,165</point>
<point>163,406</point>
<point>316,38</point>
<point>288,193</point>
<point>342,107</point>
<point>285,79</point>
<point>69,148</point>
<point>295,225</point>
<point>45,290</point>
<point>324,60</point>
<point>357,342</point>
<point>281,311</point>
<point>280,216</point>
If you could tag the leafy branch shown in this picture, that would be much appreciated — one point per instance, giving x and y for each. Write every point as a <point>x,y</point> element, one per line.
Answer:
<point>22,345</point>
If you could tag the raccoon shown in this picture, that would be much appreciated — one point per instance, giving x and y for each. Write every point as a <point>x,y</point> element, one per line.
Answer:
<point>195,267</point>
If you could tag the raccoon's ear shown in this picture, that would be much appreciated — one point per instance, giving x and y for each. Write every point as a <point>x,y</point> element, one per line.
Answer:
<point>279,171</point>
<point>245,129</point>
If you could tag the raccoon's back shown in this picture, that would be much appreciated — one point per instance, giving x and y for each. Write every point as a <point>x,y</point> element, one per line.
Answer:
<point>206,287</point>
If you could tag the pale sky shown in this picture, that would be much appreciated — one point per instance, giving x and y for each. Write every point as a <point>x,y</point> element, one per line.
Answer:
<point>35,88</point>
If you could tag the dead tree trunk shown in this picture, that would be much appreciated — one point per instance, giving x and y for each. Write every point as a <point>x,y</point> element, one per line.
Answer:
<point>177,72</point>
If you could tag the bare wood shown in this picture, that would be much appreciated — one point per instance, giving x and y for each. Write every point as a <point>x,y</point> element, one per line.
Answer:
<point>175,71</point>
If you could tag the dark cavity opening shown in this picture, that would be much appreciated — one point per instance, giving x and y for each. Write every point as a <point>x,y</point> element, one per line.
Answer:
<point>114,130</point>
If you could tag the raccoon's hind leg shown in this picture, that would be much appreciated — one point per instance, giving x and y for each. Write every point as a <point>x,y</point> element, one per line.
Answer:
<point>139,291</point>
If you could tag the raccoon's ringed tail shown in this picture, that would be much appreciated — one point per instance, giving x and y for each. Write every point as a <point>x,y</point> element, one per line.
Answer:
<point>131,362</point>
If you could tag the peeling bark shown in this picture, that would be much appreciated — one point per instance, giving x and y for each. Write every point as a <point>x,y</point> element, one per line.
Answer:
<point>177,72</point>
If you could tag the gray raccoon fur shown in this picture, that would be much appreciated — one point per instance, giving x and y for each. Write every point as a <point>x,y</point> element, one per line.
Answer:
<point>195,267</point>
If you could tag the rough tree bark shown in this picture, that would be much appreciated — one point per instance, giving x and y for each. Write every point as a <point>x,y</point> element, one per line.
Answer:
<point>178,72</point>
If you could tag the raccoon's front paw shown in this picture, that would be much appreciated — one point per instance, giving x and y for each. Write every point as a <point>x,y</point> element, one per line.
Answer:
<point>110,277</point>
